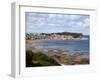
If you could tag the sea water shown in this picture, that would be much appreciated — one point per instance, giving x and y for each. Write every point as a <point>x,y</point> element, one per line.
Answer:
<point>69,46</point>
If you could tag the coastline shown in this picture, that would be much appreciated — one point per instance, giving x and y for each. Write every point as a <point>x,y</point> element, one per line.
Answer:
<point>37,40</point>
<point>60,56</point>
<point>57,39</point>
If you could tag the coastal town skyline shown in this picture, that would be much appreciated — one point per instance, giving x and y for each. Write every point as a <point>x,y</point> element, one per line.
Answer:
<point>56,33</point>
<point>54,23</point>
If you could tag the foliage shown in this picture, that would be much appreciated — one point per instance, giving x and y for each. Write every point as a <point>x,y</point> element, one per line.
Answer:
<point>39,59</point>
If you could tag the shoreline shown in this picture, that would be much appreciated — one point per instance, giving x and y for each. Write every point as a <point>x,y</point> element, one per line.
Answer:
<point>57,40</point>
<point>30,42</point>
<point>65,59</point>
<point>61,57</point>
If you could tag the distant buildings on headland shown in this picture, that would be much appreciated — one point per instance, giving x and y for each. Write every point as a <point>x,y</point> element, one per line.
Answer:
<point>56,36</point>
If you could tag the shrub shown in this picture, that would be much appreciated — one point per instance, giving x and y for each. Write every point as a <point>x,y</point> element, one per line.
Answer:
<point>39,59</point>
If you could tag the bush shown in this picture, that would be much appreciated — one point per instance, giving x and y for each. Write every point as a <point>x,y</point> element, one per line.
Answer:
<point>39,59</point>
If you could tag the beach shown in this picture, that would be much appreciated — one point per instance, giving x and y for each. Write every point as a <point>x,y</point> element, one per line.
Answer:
<point>63,58</point>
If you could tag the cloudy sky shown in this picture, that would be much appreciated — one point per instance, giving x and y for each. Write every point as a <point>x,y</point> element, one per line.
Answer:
<point>48,23</point>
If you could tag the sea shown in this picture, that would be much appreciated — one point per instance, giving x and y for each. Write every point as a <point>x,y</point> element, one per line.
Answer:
<point>67,46</point>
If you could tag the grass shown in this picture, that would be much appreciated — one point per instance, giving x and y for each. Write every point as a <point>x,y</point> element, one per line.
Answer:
<point>39,59</point>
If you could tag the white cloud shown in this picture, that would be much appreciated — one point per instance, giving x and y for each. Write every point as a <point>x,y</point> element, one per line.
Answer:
<point>37,22</point>
<point>86,23</point>
<point>74,17</point>
<point>80,23</point>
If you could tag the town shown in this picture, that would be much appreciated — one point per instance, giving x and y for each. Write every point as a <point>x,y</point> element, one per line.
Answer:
<point>56,36</point>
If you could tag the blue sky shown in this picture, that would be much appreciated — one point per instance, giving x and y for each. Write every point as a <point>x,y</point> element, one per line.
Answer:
<point>49,23</point>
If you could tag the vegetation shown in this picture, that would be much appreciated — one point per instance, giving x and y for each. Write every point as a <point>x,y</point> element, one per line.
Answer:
<point>74,35</point>
<point>48,35</point>
<point>39,59</point>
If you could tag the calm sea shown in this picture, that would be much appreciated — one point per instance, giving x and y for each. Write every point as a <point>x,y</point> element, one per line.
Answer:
<point>69,46</point>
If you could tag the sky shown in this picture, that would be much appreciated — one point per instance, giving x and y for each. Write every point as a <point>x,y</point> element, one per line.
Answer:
<point>53,23</point>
